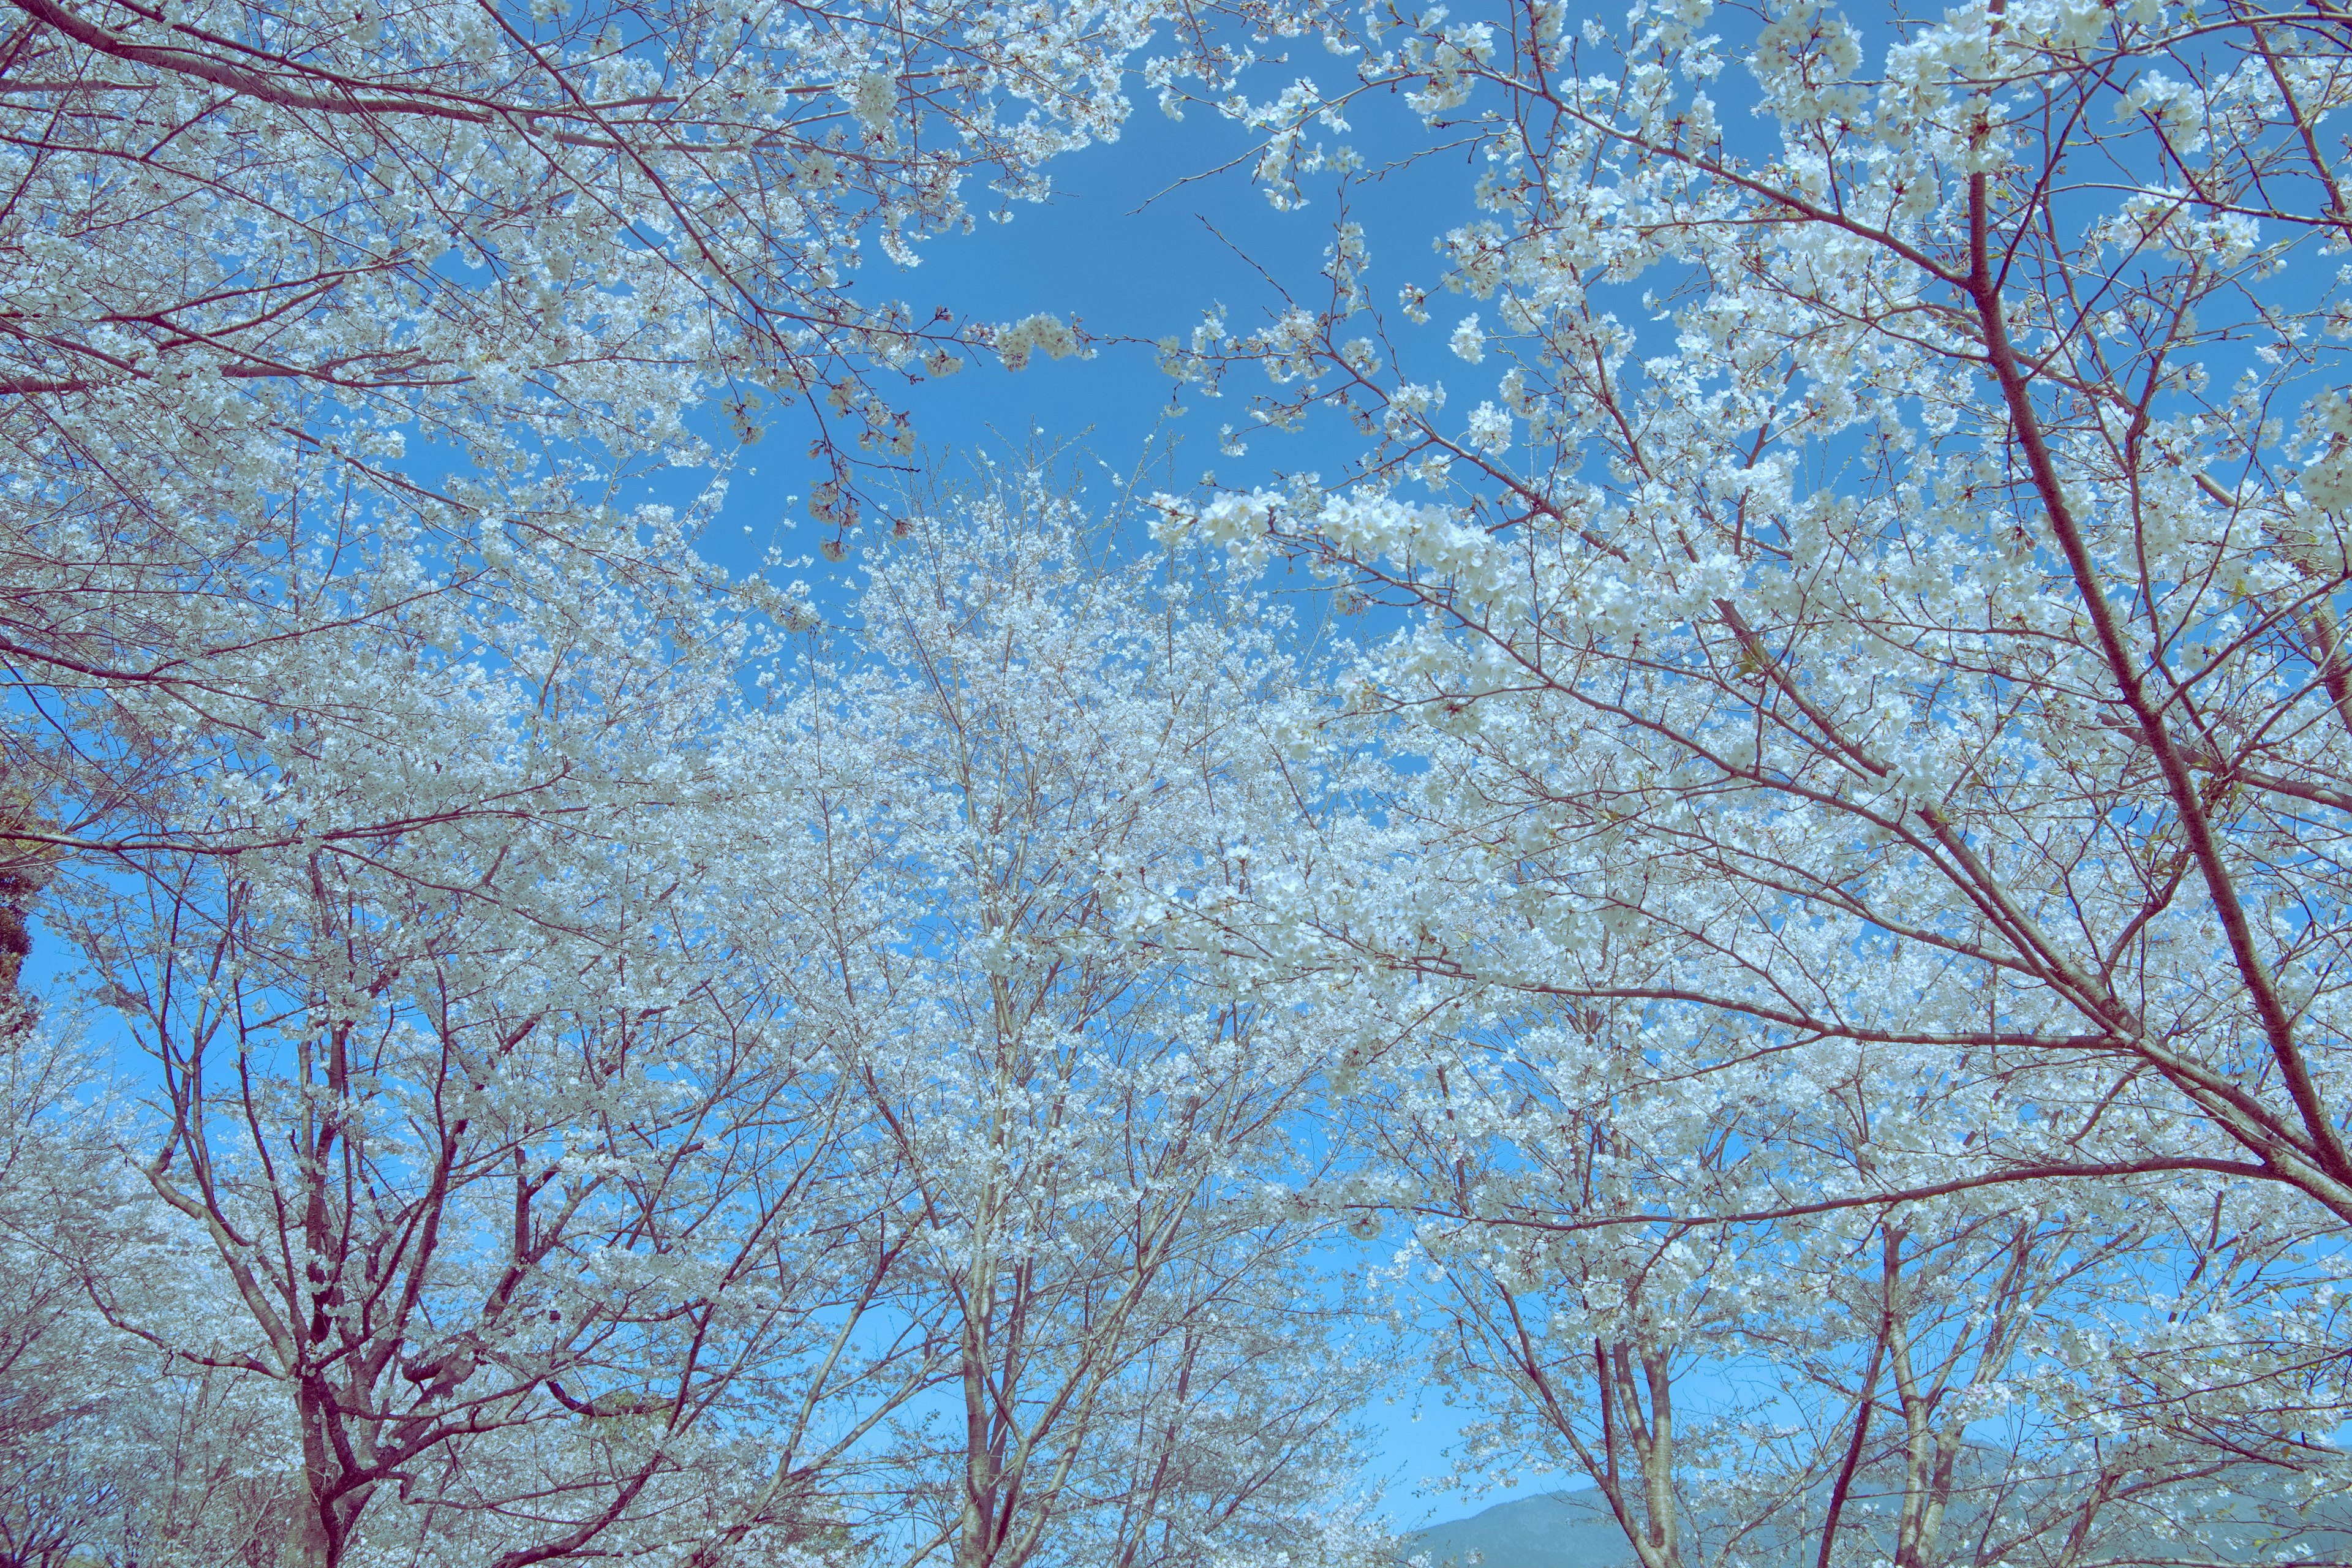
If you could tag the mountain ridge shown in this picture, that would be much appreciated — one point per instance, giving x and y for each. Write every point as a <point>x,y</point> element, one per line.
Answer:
<point>1575,1530</point>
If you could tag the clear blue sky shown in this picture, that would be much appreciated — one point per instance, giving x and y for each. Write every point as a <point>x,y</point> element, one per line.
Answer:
<point>1128,247</point>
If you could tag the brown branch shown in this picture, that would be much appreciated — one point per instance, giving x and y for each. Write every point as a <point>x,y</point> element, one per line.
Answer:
<point>2277,1026</point>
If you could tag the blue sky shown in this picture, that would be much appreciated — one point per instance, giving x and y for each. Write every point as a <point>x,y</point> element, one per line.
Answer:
<point>1134,245</point>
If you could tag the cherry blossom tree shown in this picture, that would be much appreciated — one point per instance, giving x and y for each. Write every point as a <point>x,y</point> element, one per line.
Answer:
<point>1024,739</point>
<point>394,808</point>
<point>2079,1372</point>
<point>315,316</point>
<point>1888,596</point>
<point>108,1453</point>
<point>480,1131</point>
<point>1870,634</point>
<point>626,1148</point>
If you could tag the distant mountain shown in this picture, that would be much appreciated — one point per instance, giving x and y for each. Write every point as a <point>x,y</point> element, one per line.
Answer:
<point>1574,1530</point>
<point>1563,1529</point>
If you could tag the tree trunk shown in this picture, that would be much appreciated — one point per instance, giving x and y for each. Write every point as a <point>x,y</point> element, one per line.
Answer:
<point>307,1543</point>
